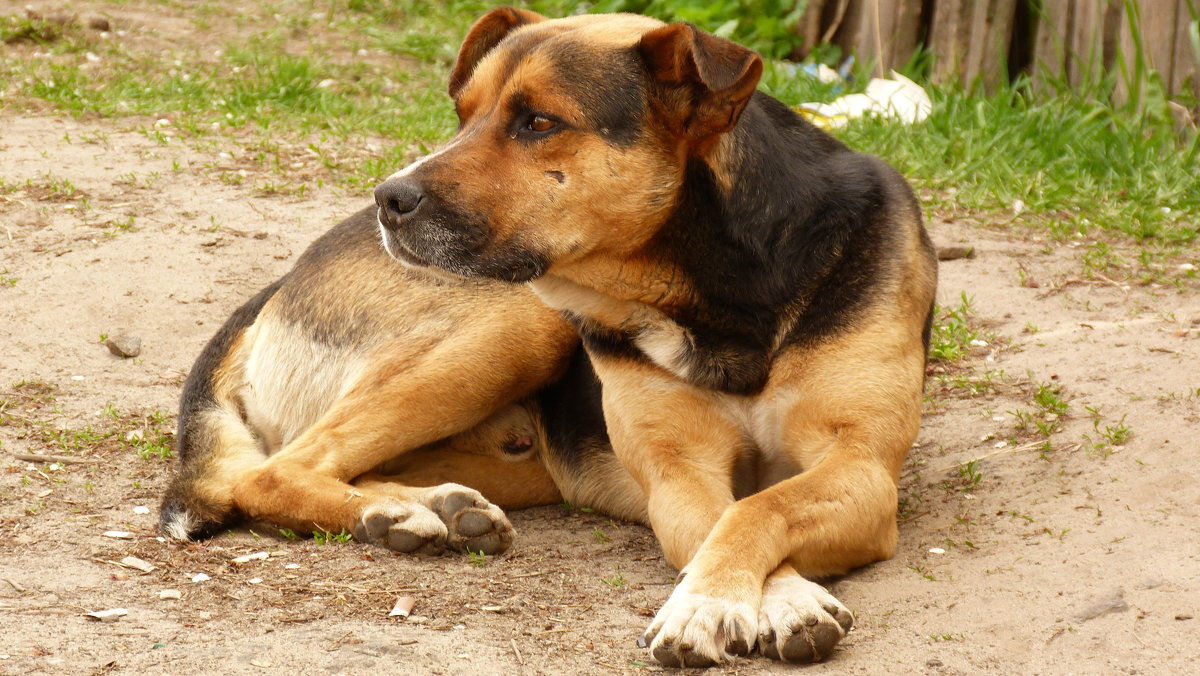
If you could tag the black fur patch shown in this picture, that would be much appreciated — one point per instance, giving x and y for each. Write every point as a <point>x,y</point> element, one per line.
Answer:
<point>573,413</point>
<point>607,84</point>
<point>600,339</point>
<point>801,234</point>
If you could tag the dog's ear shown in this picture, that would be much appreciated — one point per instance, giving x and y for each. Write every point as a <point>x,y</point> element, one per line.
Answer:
<point>485,34</point>
<point>716,77</point>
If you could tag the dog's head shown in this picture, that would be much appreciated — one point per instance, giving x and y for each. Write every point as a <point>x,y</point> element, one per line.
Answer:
<point>574,135</point>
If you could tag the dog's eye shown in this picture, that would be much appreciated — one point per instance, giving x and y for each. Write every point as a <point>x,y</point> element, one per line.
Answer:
<point>540,124</point>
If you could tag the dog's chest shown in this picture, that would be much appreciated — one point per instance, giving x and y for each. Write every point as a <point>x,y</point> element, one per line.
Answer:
<point>723,361</point>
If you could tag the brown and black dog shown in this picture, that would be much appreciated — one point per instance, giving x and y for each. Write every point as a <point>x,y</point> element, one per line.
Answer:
<point>753,300</point>
<point>754,297</point>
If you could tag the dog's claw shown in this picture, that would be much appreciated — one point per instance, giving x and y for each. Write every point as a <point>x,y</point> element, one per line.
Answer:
<point>800,621</point>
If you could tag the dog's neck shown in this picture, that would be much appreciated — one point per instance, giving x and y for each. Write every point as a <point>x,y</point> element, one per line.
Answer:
<point>756,238</point>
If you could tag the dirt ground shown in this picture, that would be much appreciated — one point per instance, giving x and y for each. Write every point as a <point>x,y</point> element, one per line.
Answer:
<point>1068,552</point>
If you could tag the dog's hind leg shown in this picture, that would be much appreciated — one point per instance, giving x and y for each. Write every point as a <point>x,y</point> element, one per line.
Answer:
<point>400,405</point>
<point>214,443</point>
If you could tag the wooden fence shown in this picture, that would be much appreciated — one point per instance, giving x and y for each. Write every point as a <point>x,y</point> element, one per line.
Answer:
<point>982,42</point>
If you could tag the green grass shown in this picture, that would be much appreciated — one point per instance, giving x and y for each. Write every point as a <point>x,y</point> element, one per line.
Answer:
<point>1084,163</point>
<point>951,337</point>
<point>361,83</point>
<point>323,538</point>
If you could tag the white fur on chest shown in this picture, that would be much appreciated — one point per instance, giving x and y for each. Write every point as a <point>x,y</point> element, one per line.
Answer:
<point>660,338</point>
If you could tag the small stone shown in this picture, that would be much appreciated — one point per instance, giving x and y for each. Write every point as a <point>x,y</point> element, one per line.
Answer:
<point>257,556</point>
<point>952,253</point>
<point>141,509</point>
<point>111,615</point>
<point>170,595</point>
<point>1183,616</point>
<point>200,577</point>
<point>139,564</point>
<point>118,534</point>
<point>417,619</point>
<point>124,345</point>
<point>936,550</point>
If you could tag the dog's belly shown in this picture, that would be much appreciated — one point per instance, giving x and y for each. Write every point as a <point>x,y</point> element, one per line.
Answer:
<point>292,380</point>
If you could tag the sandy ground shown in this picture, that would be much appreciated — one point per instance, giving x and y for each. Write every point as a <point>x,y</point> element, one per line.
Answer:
<point>1080,556</point>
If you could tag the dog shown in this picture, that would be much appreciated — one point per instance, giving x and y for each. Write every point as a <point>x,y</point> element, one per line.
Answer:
<point>754,298</point>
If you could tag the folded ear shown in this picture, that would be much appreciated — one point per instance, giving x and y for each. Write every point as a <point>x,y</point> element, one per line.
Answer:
<point>485,34</point>
<point>721,75</point>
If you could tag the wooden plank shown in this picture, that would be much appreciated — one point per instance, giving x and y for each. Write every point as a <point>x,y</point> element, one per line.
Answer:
<point>1085,61</point>
<point>906,31</point>
<point>810,28</point>
<point>950,36</point>
<point>847,34</point>
<point>1049,53</point>
<point>874,22</point>
<point>1154,24</point>
<point>1158,34</point>
<point>991,32</point>
<point>887,33</point>
<point>1185,71</point>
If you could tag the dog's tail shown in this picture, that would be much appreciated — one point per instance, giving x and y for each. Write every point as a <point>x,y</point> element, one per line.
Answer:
<point>214,442</point>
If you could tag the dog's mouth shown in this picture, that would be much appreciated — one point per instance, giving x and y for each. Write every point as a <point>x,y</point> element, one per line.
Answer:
<point>512,264</point>
<point>399,251</point>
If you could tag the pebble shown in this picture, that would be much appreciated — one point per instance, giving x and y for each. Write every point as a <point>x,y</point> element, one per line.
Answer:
<point>118,534</point>
<point>170,595</point>
<point>952,253</point>
<point>200,577</point>
<point>111,615</point>
<point>124,345</point>
<point>141,509</point>
<point>257,556</point>
<point>135,562</point>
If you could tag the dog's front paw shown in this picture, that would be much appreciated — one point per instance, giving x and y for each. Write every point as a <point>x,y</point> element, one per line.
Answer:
<point>799,621</point>
<point>403,527</point>
<point>472,523</point>
<point>696,630</point>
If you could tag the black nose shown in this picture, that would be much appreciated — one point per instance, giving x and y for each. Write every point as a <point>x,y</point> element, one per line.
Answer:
<point>399,197</point>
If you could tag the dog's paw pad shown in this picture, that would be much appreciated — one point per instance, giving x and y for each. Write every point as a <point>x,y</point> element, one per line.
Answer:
<point>402,527</point>
<point>799,621</point>
<point>472,523</point>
